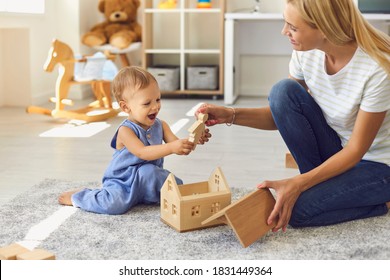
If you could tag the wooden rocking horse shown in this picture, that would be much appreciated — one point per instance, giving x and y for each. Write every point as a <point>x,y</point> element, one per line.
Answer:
<point>101,109</point>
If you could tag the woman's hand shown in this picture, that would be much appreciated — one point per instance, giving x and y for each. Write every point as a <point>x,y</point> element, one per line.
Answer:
<point>217,114</point>
<point>287,193</point>
<point>206,135</point>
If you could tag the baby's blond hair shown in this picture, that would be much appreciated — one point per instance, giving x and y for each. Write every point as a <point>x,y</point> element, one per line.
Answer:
<point>132,79</point>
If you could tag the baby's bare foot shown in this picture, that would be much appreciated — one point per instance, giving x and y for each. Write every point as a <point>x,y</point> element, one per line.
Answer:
<point>66,197</point>
<point>388,205</point>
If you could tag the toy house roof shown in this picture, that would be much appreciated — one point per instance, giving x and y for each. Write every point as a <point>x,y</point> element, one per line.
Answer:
<point>216,183</point>
<point>248,216</point>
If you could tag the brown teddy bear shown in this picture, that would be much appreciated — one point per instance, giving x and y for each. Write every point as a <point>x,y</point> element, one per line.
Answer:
<point>120,28</point>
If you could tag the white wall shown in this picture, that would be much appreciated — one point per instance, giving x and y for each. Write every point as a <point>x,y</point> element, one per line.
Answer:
<point>16,76</point>
<point>25,41</point>
<point>21,39</point>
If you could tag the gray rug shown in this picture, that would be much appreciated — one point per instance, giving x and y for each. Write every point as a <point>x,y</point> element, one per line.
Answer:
<point>141,235</point>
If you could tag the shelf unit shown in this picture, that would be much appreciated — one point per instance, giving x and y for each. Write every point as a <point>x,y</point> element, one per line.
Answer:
<point>184,36</point>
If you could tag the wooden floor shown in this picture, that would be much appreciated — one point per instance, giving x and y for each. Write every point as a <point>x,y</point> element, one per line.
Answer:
<point>30,151</point>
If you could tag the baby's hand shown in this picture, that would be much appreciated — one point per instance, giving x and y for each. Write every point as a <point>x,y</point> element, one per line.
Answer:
<point>182,147</point>
<point>206,135</point>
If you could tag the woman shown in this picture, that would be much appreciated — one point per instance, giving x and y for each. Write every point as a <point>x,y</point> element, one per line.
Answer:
<point>331,114</point>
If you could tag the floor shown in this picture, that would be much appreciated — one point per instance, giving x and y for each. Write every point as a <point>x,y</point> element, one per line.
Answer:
<point>36,147</point>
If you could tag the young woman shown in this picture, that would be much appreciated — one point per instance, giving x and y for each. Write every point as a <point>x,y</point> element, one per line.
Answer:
<point>332,115</point>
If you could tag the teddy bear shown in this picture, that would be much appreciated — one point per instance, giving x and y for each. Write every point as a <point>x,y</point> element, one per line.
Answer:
<point>120,27</point>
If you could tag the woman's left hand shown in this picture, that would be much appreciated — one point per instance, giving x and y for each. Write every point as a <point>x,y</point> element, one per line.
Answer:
<point>287,193</point>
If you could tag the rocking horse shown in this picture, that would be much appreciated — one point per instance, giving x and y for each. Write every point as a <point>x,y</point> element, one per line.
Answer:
<point>101,109</point>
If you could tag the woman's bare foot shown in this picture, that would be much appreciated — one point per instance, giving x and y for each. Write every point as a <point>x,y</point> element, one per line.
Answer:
<point>66,197</point>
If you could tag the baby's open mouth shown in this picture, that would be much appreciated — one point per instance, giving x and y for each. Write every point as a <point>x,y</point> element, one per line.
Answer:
<point>152,116</point>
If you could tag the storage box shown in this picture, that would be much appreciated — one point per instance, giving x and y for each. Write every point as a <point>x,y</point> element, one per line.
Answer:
<point>202,77</point>
<point>167,76</point>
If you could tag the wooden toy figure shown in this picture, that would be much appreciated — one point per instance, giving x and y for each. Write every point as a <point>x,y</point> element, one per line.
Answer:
<point>204,4</point>
<point>197,129</point>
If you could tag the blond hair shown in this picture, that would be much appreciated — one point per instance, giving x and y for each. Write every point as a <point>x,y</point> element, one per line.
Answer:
<point>132,79</point>
<point>341,22</point>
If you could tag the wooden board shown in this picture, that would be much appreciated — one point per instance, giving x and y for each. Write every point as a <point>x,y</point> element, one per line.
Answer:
<point>11,251</point>
<point>36,254</point>
<point>248,216</point>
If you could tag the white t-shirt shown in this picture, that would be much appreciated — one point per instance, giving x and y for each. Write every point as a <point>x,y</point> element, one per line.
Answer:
<point>361,84</point>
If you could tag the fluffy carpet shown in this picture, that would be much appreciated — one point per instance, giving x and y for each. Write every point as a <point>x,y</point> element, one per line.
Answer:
<point>141,235</point>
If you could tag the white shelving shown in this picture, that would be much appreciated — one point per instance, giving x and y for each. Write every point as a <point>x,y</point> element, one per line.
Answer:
<point>184,36</point>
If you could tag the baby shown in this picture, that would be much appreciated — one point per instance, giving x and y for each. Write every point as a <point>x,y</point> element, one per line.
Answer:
<point>135,174</point>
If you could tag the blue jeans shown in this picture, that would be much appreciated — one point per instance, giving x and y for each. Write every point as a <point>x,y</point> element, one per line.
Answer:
<point>358,193</point>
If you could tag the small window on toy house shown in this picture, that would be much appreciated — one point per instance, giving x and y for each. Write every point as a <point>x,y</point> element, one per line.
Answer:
<point>165,205</point>
<point>215,207</point>
<point>174,210</point>
<point>169,185</point>
<point>195,211</point>
<point>23,6</point>
<point>216,181</point>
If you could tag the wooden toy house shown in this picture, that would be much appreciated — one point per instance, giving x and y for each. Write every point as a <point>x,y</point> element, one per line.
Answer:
<point>184,207</point>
